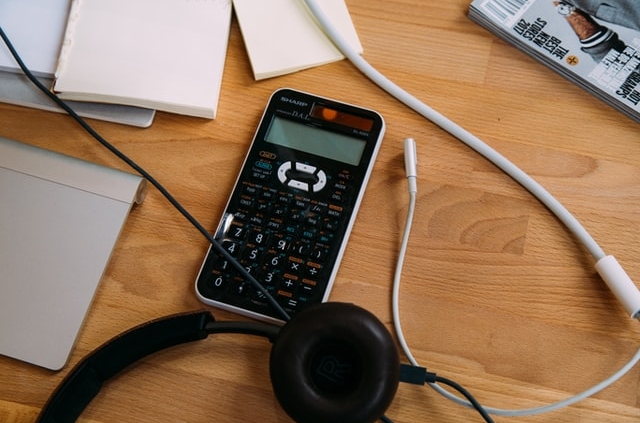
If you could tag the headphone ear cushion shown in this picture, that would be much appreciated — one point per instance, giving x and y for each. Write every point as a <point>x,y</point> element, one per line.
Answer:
<point>334,362</point>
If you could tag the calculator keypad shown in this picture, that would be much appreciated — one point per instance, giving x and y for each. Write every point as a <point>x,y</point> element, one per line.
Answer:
<point>284,239</point>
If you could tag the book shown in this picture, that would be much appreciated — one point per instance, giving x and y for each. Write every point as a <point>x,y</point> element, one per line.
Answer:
<point>281,36</point>
<point>160,54</point>
<point>40,50</point>
<point>598,50</point>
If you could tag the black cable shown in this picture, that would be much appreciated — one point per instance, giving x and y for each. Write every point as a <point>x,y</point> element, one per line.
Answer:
<point>175,203</point>
<point>467,395</point>
<point>385,419</point>
<point>417,375</point>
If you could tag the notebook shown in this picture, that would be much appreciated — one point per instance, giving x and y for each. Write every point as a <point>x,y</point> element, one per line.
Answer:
<point>161,54</point>
<point>60,218</point>
<point>39,50</point>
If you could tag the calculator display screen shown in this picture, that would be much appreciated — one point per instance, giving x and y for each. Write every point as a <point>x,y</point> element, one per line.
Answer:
<point>316,141</point>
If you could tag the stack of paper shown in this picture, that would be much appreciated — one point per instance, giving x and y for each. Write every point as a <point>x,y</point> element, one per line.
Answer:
<point>36,28</point>
<point>150,55</point>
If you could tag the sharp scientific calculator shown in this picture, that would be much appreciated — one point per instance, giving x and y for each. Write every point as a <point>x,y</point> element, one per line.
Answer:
<point>294,203</point>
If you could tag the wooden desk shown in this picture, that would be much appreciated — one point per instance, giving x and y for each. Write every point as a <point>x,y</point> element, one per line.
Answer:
<point>496,295</point>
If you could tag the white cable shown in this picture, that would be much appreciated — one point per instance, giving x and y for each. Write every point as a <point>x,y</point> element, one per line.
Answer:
<point>622,286</point>
<point>554,406</point>
<point>463,135</point>
<point>410,160</point>
<point>411,170</point>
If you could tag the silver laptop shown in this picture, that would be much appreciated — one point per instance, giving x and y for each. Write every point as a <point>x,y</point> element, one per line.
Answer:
<point>60,218</point>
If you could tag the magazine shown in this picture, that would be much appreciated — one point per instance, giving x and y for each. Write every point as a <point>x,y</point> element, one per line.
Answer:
<point>592,43</point>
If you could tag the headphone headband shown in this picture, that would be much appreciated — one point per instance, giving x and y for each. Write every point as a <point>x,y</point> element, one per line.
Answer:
<point>84,381</point>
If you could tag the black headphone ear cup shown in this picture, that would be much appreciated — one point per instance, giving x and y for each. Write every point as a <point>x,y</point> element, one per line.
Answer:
<point>334,362</point>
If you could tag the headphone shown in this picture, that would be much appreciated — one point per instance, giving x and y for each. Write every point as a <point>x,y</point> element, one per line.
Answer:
<point>333,362</point>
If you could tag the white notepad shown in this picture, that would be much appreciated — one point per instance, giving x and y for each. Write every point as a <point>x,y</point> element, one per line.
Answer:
<point>160,54</point>
<point>60,218</point>
<point>282,36</point>
<point>35,28</point>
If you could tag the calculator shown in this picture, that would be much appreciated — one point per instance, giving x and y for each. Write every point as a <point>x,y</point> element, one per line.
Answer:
<point>289,216</point>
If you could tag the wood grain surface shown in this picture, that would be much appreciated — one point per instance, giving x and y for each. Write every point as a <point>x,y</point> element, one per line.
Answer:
<point>495,295</point>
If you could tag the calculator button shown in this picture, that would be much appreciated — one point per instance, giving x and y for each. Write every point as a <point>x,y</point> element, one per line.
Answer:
<point>279,211</point>
<point>257,237</point>
<point>283,170</point>
<point>268,194</point>
<point>340,186</point>
<point>280,243</point>
<point>274,224</point>
<point>312,220</point>
<point>273,259</point>
<point>294,264</point>
<point>337,196</point>
<point>263,207</point>
<point>308,287</point>
<point>240,216</point>
<point>256,220</point>
<point>292,230</point>
<point>251,189</point>
<point>240,287</point>
<point>313,269</point>
<point>305,168</point>
<point>217,280</point>
<point>298,184</point>
<point>334,212</point>
<point>301,203</point>
<point>289,282</point>
<point>263,165</point>
<point>322,181</point>
<point>253,255</point>
<point>330,226</point>
<point>232,247</point>
<point>290,304</point>
<point>258,297</point>
<point>319,253</point>
<point>236,231</point>
<point>246,202</point>
<point>309,233</point>
<point>319,209</point>
<point>302,248</point>
<point>260,175</point>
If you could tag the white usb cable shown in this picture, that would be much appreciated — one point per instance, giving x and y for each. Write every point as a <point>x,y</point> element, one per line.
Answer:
<point>607,266</point>
<point>411,169</point>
